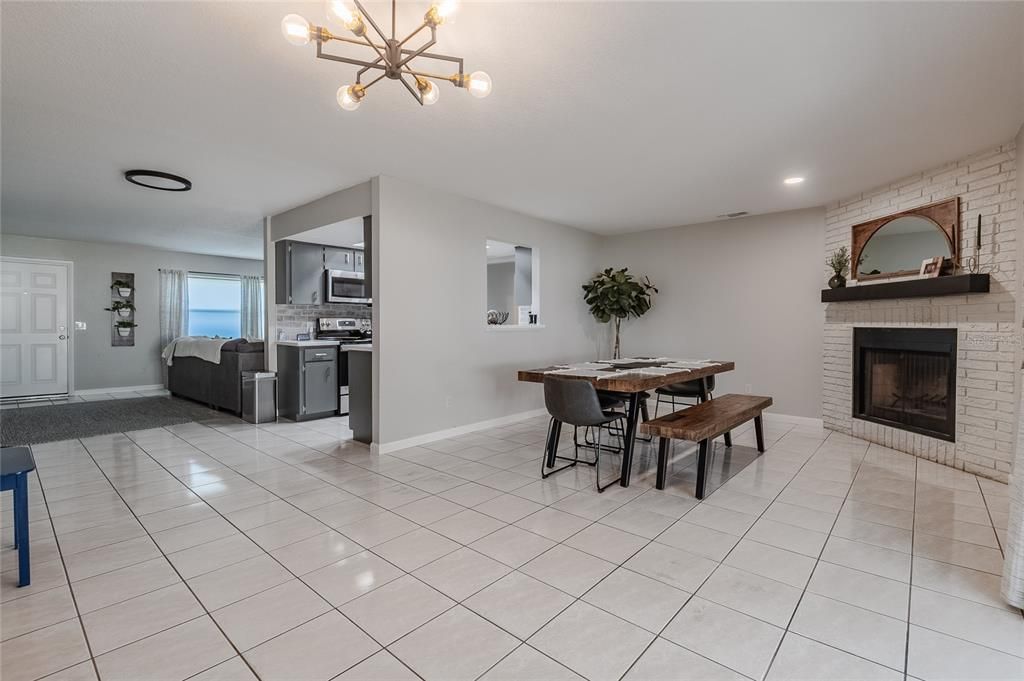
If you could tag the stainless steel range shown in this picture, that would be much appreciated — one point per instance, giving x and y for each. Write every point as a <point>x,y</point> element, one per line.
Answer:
<point>350,332</point>
<point>344,329</point>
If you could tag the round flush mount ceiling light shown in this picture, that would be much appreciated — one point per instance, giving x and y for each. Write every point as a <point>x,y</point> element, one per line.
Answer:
<point>154,179</point>
<point>793,180</point>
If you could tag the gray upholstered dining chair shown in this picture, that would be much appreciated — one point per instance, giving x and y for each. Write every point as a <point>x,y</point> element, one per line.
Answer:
<point>576,403</point>
<point>692,390</point>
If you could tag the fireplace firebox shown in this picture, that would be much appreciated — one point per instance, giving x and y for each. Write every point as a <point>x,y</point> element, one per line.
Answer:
<point>906,378</point>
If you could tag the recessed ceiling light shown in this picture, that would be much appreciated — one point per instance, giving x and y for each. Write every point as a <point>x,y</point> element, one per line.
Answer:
<point>793,180</point>
<point>155,179</point>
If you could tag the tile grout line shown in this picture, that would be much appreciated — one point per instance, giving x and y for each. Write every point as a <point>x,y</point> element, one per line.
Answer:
<point>910,578</point>
<point>817,561</point>
<point>206,611</point>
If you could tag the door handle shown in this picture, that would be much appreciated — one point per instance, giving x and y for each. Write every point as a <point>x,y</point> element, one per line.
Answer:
<point>62,337</point>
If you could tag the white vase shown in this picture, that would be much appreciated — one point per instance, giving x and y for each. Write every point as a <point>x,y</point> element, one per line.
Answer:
<point>123,331</point>
<point>124,292</point>
<point>122,312</point>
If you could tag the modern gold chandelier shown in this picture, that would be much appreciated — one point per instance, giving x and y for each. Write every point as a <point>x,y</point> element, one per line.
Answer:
<point>393,60</point>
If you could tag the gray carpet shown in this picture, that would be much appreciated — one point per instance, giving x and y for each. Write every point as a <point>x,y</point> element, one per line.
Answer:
<point>85,419</point>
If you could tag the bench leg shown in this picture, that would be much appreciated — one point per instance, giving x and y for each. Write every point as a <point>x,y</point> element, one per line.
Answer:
<point>663,453</point>
<point>14,495</point>
<point>702,464</point>
<point>21,523</point>
<point>759,433</point>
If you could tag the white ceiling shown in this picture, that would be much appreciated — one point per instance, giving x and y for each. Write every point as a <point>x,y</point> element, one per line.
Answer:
<point>612,116</point>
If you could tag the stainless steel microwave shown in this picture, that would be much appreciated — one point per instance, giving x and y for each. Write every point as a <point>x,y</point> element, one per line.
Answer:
<point>345,286</point>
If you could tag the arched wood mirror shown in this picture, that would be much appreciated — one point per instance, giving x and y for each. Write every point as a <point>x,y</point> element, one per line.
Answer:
<point>895,245</point>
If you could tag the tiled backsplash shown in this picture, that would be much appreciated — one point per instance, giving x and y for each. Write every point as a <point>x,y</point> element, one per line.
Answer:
<point>294,319</point>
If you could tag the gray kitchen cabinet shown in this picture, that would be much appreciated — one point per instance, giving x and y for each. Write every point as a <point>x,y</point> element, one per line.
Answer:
<point>359,261</point>
<point>339,259</point>
<point>307,381</point>
<point>299,273</point>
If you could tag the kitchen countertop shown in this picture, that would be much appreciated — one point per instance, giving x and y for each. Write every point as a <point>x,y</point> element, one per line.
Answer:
<point>309,343</point>
<point>358,347</point>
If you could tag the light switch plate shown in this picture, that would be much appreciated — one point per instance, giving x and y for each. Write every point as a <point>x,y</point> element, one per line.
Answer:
<point>80,326</point>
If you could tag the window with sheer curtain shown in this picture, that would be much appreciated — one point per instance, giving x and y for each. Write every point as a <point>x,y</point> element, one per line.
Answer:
<point>225,305</point>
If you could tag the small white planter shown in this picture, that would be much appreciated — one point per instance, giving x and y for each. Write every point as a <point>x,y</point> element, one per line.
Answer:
<point>124,331</point>
<point>124,292</point>
<point>122,312</point>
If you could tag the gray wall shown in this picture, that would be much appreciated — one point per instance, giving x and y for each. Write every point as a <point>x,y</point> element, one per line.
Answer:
<point>438,364</point>
<point>523,278</point>
<point>745,290</point>
<point>97,364</point>
<point>500,276</point>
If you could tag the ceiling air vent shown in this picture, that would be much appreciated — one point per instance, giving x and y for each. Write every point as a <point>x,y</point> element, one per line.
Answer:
<point>738,214</point>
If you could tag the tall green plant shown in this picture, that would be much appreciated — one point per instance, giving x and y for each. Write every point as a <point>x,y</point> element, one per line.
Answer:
<point>614,295</point>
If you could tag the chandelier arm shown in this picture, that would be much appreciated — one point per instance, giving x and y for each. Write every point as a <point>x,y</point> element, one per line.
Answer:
<point>354,41</point>
<point>366,15</point>
<point>375,80</point>
<point>423,48</point>
<point>367,68</point>
<point>433,32</point>
<point>380,55</point>
<point>439,57</point>
<point>348,60</point>
<point>413,91</point>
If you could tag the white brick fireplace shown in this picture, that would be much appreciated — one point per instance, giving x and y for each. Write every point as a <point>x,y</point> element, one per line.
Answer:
<point>988,330</point>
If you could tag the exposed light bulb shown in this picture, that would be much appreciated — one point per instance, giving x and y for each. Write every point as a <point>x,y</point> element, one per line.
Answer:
<point>349,98</point>
<point>340,12</point>
<point>430,92</point>
<point>479,84</point>
<point>295,29</point>
<point>793,180</point>
<point>446,8</point>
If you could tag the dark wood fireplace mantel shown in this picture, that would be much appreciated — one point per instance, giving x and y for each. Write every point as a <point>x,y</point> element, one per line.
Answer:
<point>954,285</point>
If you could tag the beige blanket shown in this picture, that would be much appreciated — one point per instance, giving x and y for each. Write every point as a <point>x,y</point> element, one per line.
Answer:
<point>194,346</point>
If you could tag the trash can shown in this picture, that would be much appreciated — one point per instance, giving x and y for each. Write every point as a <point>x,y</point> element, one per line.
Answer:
<point>259,396</point>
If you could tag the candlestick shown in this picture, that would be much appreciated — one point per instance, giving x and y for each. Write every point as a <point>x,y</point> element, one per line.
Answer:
<point>977,243</point>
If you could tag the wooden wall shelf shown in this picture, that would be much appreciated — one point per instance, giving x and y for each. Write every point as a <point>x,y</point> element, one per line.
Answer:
<point>955,285</point>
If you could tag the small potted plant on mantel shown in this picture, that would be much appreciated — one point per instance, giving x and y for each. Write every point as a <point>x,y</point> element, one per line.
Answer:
<point>123,308</point>
<point>124,329</point>
<point>123,288</point>
<point>839,263</point>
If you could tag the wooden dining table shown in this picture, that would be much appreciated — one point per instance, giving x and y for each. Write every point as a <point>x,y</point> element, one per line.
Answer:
<point>629,380</point>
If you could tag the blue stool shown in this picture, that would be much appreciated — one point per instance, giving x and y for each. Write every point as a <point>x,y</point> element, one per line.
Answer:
<point>15,465</point>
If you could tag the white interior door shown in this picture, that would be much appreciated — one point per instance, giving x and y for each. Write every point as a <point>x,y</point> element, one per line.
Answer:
<point>33,328</point>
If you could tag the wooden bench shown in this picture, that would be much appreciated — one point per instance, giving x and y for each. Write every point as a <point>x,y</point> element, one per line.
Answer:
<point>702,423</point>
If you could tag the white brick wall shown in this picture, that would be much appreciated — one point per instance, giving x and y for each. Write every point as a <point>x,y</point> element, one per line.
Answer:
<point>988,339</point>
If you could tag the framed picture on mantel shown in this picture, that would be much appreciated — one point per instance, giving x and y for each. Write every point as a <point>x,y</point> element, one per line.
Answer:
<point>931,267</point>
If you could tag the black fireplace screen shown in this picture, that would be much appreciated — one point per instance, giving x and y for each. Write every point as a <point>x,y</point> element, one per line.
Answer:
<point>906,378</point>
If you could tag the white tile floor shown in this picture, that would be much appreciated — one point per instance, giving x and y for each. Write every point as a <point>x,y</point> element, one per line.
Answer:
<point>219,551</point>
<point>86,397</point>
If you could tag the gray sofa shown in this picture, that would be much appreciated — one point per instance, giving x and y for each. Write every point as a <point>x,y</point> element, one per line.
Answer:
<point>216,385</point>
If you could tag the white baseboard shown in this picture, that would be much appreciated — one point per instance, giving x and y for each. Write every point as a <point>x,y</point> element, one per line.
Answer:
<point>388,447</point>
<point>120,389</point>
<point>795,420</point>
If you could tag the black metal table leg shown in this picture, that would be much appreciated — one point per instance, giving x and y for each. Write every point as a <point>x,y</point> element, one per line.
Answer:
<point>551,448</point>
<point>663,454</point>
<point>632,416</point>
<point>759,433</point>
<point>702,464</point>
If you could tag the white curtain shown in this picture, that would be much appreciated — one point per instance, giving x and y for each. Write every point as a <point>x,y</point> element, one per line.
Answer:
<point>173,305</point>
<point>252,307</point>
